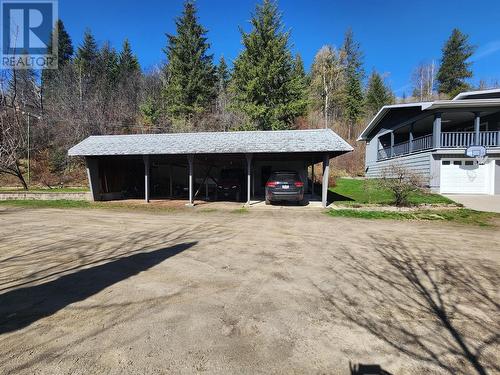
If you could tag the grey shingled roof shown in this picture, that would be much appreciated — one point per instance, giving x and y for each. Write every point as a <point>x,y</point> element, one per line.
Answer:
<point>317,140</point>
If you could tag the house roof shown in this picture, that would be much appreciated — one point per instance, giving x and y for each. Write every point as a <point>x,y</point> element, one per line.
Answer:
<point>471,99</point>
<point>317,140</point>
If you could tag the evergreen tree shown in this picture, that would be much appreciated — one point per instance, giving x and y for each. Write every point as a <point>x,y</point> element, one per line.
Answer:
<point>108,65</point>
<point>265,86</point>
<point>352,59</point>
<point>127,61</point>
<point>223,75</point>
<point>64,53</point>
<point>298,67</point>
<point>87,54</point>
<point>378,94</point>
<point>190,88</point>
<point>455,68</point>
<point>64,44</point>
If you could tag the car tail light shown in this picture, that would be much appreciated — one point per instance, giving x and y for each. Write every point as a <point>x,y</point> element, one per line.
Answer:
<point>299,184</point>
<point>271,184</point>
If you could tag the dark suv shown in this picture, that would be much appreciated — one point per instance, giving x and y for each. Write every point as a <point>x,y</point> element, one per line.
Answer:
<point>284,186</point>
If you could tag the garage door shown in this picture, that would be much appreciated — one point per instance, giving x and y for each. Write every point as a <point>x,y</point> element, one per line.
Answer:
<point>463,177</point>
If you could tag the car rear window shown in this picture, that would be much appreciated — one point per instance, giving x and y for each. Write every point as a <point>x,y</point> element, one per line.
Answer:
<point>285,176</point>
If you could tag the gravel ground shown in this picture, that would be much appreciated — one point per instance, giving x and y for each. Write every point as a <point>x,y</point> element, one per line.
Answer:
<point>293,292</point>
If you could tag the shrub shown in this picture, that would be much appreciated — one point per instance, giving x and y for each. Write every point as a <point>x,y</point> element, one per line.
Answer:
<point>400,181</point>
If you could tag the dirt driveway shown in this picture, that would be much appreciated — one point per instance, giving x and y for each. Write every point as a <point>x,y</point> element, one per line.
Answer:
<point>114,292</point>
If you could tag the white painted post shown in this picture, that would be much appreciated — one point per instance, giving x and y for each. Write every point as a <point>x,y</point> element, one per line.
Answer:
<point>146,178</point>
<point>171,181</point>
<point>312,179</point>
<point>410,140</point>
<point>477,128</point>
<point>249,176</point>
<point>392,144</point>
<point>191,162</point>
<point>326,173</point>
<point>436,131</point>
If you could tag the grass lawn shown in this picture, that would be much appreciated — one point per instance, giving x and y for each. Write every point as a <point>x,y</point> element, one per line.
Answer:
<point>350,191</point>
<point>66,203</point>
<point>460,215</point>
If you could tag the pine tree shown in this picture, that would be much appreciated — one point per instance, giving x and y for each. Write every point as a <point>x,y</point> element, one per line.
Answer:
<point>87,54</point>
<point>455,68</point>
<point>64,54</point>
<point>263,82</point>
<point>352,59</point>
<point>108,65</point>
<point>223,75</point>
<point>378,94</point>
<point>127,61</point>
<point>190,88</point>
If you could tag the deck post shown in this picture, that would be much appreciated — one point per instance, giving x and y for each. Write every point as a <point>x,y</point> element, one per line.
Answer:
<point>477,128</point>
<point>410,140</point>
<point>392,144</point>
<point>146,178</point>
<point>326,175</point>
<point>190,162</point>
<point>436,131</point>
<point>249,177</point>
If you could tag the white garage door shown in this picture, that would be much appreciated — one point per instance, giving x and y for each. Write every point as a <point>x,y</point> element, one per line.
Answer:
<point>463,177</point>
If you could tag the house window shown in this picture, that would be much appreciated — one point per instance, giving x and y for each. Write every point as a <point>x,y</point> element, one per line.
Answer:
<point>469,162</point>
<point>457,162</point>
<point>446,162</point>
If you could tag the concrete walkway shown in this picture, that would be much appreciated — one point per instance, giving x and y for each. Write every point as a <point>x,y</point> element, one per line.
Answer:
<point>489,203</point>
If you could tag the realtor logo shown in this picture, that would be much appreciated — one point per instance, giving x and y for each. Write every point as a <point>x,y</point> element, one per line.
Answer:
<point>26,34</point>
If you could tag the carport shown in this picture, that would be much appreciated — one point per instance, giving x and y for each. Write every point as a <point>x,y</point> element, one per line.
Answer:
<point>160,166</point>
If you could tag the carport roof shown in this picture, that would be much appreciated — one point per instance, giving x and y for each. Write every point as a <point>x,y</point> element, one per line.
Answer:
<point>282,141</point>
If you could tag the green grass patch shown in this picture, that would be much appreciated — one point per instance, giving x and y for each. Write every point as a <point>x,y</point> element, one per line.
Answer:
<point>460,215</point>
<point>352,192</point>
<point>242,210</point>
<point>60,203</point>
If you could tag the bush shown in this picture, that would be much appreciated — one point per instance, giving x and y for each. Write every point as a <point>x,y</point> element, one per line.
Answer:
<point>401,182</point>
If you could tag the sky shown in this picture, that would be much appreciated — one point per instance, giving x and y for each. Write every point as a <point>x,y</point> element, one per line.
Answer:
<point>395,36</point>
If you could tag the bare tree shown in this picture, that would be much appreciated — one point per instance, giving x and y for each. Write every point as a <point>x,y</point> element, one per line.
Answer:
<point>327,79</point>
<point>401,182</point>
<point>423,79</point>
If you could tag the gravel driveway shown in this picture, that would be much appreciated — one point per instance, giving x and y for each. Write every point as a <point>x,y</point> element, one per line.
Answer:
<point>113,292</point>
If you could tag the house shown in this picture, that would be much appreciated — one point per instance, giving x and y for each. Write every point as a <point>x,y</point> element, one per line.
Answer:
<point>157,166</point>
<point>431,138</point>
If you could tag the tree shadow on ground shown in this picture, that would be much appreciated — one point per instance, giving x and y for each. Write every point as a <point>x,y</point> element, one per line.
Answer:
<point>433,308</point>
<point>21,307</point>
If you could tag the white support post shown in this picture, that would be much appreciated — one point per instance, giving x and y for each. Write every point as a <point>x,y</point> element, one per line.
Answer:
<point>249,176</point>
<point>477,128</point>
<point>190,183</point>
<point>410,139</point>
<point>146,178</point>
<point>93,177</point>
<point>392,144</point>
<point>171,181</point>
<point>436,131</point>
<point>312,179</point>
<point>326,175</point>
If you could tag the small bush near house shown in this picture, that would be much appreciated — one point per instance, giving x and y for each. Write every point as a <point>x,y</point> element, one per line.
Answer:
<point>401,182</point>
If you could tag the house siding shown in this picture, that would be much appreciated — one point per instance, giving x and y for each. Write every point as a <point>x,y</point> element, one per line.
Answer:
<point>418,162</point>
